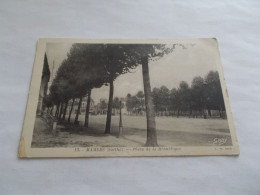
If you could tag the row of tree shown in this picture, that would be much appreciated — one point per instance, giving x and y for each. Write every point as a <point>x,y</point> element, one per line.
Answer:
<point>203,96</point>
<point>90,66</point>
<point>199,99</point>
<point>135,103</point>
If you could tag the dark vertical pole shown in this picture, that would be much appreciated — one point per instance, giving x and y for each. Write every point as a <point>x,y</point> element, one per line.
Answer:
<point>51,110</point>
<point>65,110</point>
<point>71,108</point>
<point>120,120</point>
<point>76,122</point>
<point>110,105</point>
<point>87,109</point>
<point>61,110</point>
<point>57,110</point>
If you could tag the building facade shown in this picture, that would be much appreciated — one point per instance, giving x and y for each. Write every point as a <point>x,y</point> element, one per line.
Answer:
<point>44,85</point>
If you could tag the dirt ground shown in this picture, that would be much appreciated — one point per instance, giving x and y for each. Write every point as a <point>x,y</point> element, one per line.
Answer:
<point>170,132</point>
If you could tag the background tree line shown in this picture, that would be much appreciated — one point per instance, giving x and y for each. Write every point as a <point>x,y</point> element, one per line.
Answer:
<point>202,99</point>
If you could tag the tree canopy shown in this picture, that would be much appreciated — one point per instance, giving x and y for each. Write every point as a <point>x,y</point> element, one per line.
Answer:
<point>203,94</point>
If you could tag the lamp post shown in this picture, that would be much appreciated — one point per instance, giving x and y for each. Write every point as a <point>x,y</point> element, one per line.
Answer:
<point>205,85</point>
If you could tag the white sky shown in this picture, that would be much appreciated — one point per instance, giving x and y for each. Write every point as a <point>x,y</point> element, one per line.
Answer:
<point>180,65</point>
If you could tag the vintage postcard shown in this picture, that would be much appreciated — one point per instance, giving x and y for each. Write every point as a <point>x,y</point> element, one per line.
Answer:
<point>107,98</point>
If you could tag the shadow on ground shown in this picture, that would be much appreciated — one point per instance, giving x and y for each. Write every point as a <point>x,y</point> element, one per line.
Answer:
<point>69,135</point>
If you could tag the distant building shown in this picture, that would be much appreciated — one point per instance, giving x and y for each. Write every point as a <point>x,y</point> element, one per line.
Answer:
<point>44,84</point>
<point>82,107</point>
<point>101,107</point>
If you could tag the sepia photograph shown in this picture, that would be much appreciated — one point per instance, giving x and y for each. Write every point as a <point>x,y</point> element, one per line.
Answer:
<point>130,97</point>
<point>91,98</point>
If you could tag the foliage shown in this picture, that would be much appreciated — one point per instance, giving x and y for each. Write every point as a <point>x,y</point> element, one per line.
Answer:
<point>135,104</point>
<point>103,104</point>
<point>204,94</point>
<point>47,101</point>
<point>116,103</point>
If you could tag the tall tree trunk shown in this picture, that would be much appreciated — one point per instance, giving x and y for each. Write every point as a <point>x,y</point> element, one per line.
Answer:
<point>51,110</point>
<point>110,102</point>
<point>120,120</point>
<point>65,110</point>
<point>57,110</point>
<point>55,114</point>
<point>61,109</point>
<point>78,111</point>
<point>71,109</point>
<point>87,109</point>
<point>150,114</point>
